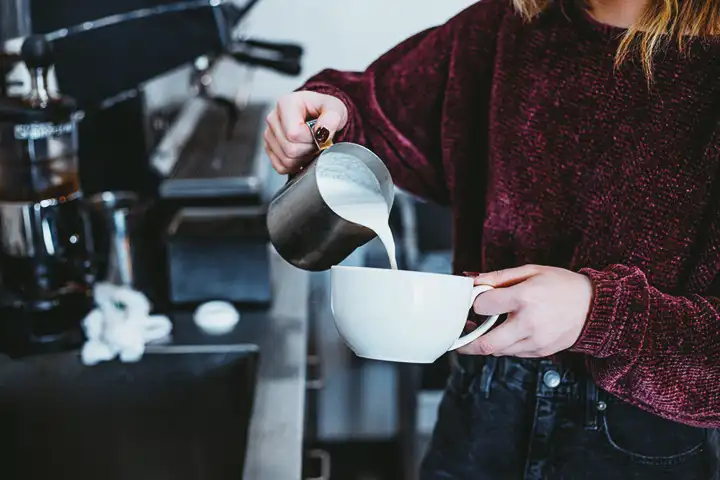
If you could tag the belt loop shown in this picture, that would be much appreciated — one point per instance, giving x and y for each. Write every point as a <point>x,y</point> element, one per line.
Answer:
<point>592,405</point>
<point>486,377</point>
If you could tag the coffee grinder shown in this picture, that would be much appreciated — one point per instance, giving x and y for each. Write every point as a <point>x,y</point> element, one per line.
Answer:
<point>45,235</point>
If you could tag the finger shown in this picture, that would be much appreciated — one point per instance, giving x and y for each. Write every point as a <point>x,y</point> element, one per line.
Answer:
<point>272,143</point>
<point>295,109</point>
<point>275,161</point>
<point>281,163</point>
<point>292,112</point>
<point>499,301</point>
<point>502,337</point>
<point>327,125</point>
<point>290,164</point>
<point>531,354</point>
<point>291,150</point>
<point>278,159</point>
<point>330,114</point>
<point>526,346</point>
<point>508,277</point>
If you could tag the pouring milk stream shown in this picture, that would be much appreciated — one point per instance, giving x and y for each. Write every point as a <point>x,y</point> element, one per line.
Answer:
<point>353,192</point>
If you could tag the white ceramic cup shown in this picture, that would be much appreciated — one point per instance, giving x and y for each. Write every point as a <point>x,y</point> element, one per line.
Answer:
<point>402,316</point>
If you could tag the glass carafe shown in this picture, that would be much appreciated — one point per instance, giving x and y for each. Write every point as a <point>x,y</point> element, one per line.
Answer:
<point>45,240</point>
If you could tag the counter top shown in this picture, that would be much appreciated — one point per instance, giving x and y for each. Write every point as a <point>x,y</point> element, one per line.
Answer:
<point>275,439</point>
<point>275,446</point>
<point>276,427</point>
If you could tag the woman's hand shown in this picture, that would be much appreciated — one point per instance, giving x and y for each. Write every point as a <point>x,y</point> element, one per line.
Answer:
<point>287,139</point>
<point>547,308</point>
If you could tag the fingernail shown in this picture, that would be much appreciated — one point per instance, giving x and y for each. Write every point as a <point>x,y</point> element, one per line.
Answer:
<point>322,134</point>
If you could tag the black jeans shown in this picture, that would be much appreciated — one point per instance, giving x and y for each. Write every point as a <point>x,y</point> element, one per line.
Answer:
<point>509,419</point>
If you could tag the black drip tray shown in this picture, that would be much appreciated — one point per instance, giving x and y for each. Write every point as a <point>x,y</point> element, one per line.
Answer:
<point>181,413</point>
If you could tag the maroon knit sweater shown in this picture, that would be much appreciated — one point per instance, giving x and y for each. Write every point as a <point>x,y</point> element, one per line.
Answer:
<point>550,157</point>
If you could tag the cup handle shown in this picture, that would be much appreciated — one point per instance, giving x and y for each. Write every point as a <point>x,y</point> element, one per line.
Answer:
<point>482,329</point>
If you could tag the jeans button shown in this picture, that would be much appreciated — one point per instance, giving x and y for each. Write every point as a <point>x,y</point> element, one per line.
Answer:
<point>551,379</point>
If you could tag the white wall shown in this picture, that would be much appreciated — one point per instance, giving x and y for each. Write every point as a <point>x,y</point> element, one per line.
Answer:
<point>343,34</point>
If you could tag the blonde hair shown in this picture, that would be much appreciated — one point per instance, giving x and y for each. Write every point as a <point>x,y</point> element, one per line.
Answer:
<point>662,22</point>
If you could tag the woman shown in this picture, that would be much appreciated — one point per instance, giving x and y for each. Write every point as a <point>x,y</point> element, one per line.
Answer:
<point>579,147</point>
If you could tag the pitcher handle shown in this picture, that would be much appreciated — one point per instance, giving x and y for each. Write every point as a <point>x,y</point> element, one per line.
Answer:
<point>320,146</point>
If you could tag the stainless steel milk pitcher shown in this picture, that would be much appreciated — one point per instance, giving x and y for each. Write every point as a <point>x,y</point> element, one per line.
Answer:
<point>304,230</point>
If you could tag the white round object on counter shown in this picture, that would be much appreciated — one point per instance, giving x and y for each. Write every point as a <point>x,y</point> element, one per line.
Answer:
<point>216,317</point>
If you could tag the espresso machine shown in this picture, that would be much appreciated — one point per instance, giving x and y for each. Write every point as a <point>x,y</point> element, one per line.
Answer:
<point>45,236</point>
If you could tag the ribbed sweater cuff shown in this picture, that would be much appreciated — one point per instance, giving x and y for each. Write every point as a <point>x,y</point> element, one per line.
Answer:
<point>601,323</point>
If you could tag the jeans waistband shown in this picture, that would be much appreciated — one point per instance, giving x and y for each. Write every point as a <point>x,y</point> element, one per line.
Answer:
<point>546,379</point>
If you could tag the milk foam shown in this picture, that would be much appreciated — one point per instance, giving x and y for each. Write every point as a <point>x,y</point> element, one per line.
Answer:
<point>352,191</point>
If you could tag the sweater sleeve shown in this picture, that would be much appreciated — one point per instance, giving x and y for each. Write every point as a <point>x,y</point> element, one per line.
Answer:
<point>657,351</point>
<point>396,107</point>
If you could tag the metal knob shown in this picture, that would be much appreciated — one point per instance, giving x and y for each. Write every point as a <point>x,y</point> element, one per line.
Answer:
<point>551,379</point>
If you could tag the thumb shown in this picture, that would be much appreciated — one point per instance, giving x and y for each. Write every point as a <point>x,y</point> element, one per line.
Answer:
<point>330,114</point>
<point>498,301</point>
<point>296,109</point>
<point>327,125</point>
<point>508,277</point>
